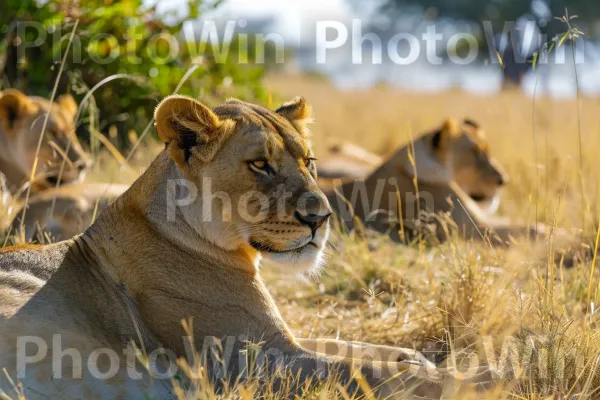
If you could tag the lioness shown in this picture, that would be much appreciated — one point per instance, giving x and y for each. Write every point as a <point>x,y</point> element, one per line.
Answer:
<point>233,185</point>
<point>52,212</point>
<point>21,122</point>
<point>61,213</point>
<point>475,170</point>
<point>414,193</point>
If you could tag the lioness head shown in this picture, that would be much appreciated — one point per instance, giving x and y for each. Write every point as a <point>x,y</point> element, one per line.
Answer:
<point>458,152</point>
<point>254,171</point>
<point>21,122</point>
<point>475,170</point>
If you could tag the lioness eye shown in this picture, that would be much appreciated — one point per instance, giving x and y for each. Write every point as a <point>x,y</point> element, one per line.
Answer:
<point>260,166</point>
<point>309,162</point>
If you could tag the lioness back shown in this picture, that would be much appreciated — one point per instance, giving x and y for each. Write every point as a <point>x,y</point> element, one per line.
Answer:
<point>24,270</point>
<point>25,279</point>
<point>37,302</point>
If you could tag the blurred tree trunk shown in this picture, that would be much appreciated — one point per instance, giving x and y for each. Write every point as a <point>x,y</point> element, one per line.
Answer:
<point>515,64</point>
<point>514,69</point>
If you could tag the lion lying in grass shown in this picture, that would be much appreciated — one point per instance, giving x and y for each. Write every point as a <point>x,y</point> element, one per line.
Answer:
<point>59,207</point>
<point>234,184</point>
<point>414,195</point>
<point>60,155</point>
<point>475,170</point>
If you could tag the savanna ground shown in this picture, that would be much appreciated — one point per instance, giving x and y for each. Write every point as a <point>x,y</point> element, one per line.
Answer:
<point>506,308</point>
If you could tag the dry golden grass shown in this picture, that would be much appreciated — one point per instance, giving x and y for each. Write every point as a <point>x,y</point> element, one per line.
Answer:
<point>460,298</point>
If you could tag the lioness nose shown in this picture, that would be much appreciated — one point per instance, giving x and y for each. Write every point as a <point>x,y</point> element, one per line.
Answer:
<point>313,221</point>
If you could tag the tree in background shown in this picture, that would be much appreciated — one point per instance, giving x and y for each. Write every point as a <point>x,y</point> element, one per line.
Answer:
<point>496,13</point>
<point>116,37</point>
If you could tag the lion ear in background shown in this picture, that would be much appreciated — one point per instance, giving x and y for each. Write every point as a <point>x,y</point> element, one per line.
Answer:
<point>471,123</point>
<point>298,112</point>
<point>187,127</point>
<point>474,131</point>
<point>13,105</point>
<point>442,139</point>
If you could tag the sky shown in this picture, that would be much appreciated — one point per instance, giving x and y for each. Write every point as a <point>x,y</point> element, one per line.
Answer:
<point>284,8</point>
<point>291,17</point>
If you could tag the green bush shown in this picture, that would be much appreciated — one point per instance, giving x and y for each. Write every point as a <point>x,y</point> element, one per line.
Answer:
<point>116,37</point>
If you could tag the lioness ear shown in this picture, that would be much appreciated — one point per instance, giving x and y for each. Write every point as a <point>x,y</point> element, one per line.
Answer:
<point>442,140</point>
<point>473,130</point>
<point>13,105</point>
<point>186,125</point>
<point>68,104</point>
<point>471,123</point>
<point>298,112</point>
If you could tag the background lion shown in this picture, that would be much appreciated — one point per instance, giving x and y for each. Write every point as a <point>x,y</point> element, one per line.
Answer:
<point>413,195</point>
<point>476,172</point>
<point>60,155</point>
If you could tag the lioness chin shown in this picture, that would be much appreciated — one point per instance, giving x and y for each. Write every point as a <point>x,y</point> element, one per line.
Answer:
<point>234,184</point>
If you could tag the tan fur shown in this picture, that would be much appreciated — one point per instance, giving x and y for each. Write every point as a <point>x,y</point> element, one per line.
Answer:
<point>475,170</point>
<point>21,121</point>
<point>143,267</point>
